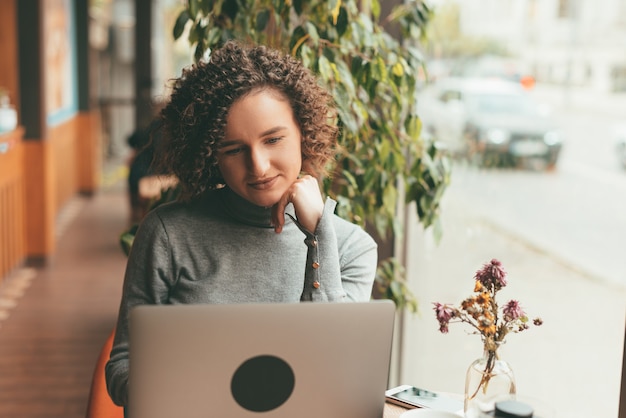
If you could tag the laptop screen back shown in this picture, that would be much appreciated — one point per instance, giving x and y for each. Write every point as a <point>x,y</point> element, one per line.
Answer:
<point>282,360</point>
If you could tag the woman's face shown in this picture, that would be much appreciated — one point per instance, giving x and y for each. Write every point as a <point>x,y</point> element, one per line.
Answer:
<point>260,155</point>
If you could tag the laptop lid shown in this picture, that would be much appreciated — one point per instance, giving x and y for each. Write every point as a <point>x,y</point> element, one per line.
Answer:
<point>301,360</point>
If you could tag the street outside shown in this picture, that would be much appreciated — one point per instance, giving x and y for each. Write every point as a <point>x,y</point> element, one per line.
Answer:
<point>561,236</point>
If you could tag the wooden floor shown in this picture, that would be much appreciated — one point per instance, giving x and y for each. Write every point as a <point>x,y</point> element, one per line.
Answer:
<point>53,320</point>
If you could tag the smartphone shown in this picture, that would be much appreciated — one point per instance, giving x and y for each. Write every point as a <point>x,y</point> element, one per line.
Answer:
<point>412,397</point>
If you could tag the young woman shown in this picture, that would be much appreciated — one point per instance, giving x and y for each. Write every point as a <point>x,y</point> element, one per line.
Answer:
<point>247,134</point>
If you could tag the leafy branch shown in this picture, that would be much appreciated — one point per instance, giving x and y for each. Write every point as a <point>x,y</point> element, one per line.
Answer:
<point>374,78</point>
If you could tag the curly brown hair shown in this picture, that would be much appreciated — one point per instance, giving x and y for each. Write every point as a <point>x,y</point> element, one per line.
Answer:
<point>195,117</point>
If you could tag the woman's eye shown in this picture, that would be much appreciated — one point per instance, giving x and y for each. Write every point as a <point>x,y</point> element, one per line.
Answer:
<point>232,151</point>
<point>274,140</point>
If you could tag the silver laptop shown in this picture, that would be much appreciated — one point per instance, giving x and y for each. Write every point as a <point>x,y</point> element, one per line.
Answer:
<point>320,360</point>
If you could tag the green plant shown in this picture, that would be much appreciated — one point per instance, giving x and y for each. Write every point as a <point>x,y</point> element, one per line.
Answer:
<point>374,78</point>
<point>391,284</point>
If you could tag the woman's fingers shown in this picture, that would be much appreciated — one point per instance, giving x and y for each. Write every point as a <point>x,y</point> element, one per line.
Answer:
<point>308,204</point>
<point>278,212</point>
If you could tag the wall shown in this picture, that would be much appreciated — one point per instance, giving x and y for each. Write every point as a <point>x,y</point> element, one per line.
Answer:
<point>12,237</point>
<point>56,151</point>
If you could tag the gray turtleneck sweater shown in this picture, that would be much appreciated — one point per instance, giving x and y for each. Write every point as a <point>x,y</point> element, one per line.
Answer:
<point>223,249</point>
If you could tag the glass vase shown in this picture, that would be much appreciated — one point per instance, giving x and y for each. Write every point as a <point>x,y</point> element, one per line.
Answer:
<point>488,380</point>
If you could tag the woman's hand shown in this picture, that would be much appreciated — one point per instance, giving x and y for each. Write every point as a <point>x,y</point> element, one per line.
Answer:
<point>307,201</point>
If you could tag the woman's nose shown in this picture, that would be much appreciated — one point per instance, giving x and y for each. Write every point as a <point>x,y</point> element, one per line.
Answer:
<point>259,162</point>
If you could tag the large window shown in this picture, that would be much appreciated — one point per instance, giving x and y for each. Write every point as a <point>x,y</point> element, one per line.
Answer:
<point>545,196</point>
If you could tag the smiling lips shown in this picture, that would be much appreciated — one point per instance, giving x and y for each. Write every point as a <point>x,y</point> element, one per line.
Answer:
<point>263,184</point>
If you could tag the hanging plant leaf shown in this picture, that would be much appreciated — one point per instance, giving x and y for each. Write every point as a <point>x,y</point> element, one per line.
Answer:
<point>193,6</point>
<point>297,6</point>
<point>261,19</point>
<point>181,21</point>
<point>374,79</point>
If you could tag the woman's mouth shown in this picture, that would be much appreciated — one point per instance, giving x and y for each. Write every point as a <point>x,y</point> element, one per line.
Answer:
<point>263,184</point>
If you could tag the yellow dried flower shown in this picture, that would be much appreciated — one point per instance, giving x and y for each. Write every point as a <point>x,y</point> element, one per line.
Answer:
<point>468,303</point>
<point>484,299</point>
<point>487,327</point>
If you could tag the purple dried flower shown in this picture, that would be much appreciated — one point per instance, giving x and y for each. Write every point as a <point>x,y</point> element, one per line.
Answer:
<point>444,313</point>
<point>512,310</point>
<point>492,275</point>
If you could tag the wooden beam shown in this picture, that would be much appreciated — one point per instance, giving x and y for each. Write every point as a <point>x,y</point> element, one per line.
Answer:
<point>9,77</point>
<point>32,83</point>
<point>143,63</point>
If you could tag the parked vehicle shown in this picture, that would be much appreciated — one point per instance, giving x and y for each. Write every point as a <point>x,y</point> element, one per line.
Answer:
<point>494,122</point>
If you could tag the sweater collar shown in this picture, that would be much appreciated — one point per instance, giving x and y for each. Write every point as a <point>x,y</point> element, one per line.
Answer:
<point>244,211</point>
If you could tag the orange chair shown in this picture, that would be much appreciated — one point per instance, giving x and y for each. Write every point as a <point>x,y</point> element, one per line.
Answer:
<point>100,404</point>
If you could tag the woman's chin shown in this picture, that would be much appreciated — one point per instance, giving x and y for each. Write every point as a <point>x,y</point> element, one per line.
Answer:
<point>264,201</point>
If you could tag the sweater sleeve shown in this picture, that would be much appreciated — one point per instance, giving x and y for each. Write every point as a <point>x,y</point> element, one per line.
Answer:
<point>148,278</point>
<point>341,260</point>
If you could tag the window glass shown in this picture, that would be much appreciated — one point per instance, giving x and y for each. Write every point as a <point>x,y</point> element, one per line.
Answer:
<point>539,183</point>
